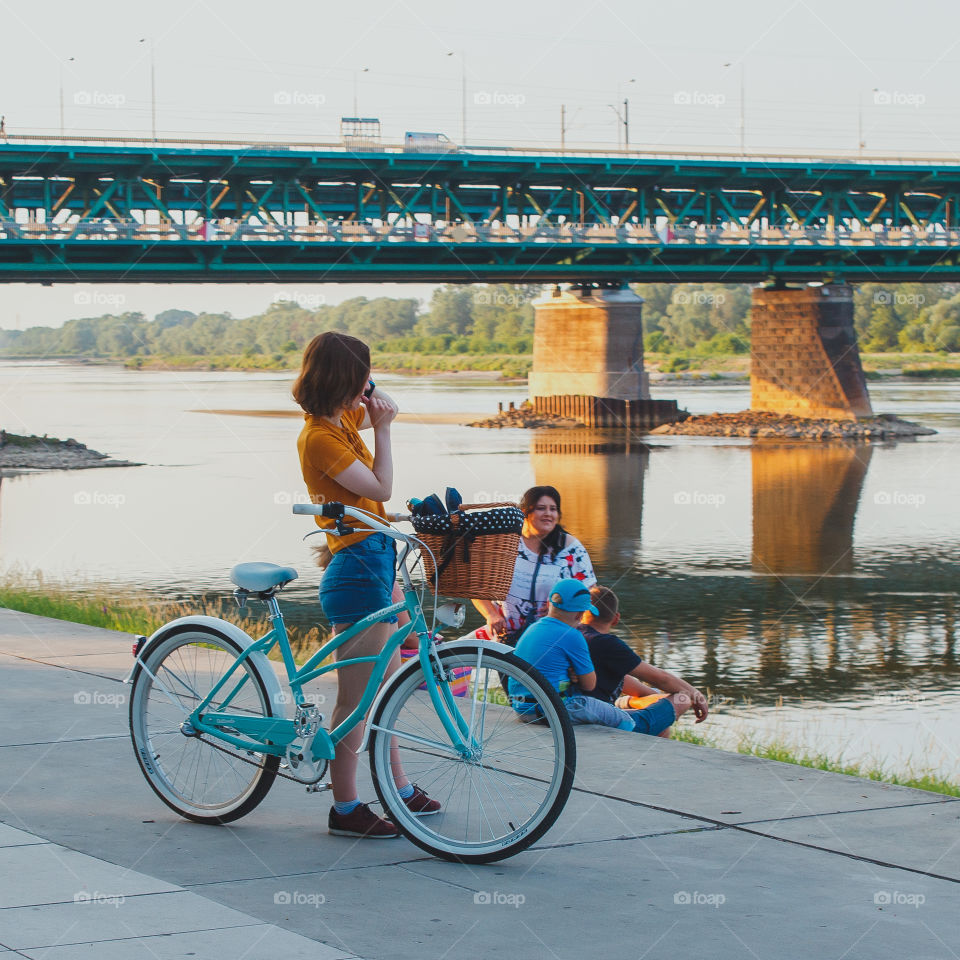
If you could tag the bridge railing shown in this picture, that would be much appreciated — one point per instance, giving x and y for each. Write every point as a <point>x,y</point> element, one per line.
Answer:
<point>488,148</point>
<point>372,231</point>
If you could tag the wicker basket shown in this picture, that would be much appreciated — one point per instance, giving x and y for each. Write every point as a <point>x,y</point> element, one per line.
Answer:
<point>479,570</point>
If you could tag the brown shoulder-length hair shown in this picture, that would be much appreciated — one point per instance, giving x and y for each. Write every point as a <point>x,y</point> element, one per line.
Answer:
<point>334,372</point>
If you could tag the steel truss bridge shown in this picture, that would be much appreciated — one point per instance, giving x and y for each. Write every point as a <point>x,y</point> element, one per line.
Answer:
<point>242,213</point>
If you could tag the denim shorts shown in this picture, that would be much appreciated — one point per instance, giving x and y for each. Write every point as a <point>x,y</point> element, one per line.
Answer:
<point>359,580</point>
<point>652,720</point>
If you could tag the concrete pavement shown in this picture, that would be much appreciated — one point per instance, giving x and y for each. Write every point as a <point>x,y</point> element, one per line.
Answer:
<point>663,847</point>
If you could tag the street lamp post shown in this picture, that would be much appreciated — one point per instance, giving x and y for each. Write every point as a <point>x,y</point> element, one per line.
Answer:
<point>860,124</point>
<point>861,143</point>
<point>743,116</point>
<point>565,124</point>
<point>153,90</point>
<point>356,73</point>
<point>743,122</point>
<point>623,120</point>
<point>62,125</point>
<point>463,95</point>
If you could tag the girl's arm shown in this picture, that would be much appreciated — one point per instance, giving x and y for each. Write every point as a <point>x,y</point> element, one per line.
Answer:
<point>375,484</point>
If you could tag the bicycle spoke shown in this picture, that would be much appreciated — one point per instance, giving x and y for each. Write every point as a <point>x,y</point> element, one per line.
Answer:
<point>500,797</point>
<point>196,776</point>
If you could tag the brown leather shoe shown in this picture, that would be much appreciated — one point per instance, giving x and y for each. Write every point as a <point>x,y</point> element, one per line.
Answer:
<point>361,822</point>
<point>419,804</point>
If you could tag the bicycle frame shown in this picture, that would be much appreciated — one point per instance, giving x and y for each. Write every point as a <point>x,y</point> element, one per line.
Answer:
<point>272,735</point>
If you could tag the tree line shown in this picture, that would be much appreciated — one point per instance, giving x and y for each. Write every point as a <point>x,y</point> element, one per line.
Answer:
<point>485,319</point>
<point>714,318</point>
<point>492,319</point>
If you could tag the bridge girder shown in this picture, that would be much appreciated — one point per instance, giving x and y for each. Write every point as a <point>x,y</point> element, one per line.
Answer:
<point>68,184</point>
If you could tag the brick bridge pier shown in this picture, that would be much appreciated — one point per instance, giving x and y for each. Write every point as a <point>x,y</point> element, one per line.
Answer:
<point>588,356</point>
<point>588,359</point>
<point>804,355</point>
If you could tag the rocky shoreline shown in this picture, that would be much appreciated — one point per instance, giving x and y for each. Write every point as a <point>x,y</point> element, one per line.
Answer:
<point>748,423</point>
<point>524,417</point>
<point>19,453</point>
<point>760,425</point>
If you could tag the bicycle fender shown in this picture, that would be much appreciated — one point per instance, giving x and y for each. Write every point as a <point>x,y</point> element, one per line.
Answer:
<point>412,665</point>
<point>231,631</point>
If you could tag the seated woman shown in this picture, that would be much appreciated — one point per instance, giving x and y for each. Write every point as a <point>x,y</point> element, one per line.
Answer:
<point>547,553</point>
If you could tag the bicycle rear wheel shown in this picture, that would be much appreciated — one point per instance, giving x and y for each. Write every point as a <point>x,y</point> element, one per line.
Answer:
<point>202,779</point>
<point>497,802</point>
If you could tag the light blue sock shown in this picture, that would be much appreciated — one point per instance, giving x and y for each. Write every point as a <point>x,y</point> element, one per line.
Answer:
<point>346,806</point>
<point>627,725</point>
<point>406,792</point>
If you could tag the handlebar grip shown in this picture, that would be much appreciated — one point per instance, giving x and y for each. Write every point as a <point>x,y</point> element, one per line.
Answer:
<point>331,509</point>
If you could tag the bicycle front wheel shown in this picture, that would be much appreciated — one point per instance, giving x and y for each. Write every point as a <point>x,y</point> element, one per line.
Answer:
<point>511,789</point>
<point>203,779</point>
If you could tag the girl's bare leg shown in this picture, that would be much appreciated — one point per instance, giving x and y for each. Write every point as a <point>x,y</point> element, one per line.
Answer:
<point>351,684</point>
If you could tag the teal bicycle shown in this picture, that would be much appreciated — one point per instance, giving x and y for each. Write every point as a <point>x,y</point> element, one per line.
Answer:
<point>212,727</point>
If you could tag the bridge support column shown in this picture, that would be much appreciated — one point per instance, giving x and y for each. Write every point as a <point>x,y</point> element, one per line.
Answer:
<point>588,359</point>
<point>805,359</point>
<point>589,342</point>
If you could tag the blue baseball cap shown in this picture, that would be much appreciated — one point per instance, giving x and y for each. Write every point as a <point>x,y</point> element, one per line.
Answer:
<point>572,596</point>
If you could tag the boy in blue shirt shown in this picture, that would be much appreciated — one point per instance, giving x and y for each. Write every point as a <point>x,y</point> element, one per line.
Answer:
<point>555,646</point>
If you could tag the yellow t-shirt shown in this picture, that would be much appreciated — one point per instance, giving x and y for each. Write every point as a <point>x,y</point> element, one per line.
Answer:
<point>326,451</point>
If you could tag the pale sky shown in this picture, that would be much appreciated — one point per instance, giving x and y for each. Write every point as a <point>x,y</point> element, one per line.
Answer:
<point>813,74</point>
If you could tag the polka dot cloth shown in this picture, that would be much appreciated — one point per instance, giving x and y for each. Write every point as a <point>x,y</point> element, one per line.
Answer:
<point>496,520</point>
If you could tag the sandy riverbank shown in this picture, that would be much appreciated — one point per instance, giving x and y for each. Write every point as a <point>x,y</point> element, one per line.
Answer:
<point>455,418</point>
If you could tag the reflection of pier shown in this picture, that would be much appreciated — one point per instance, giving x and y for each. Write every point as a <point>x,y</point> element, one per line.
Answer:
<point>601,482</point>
<point>805,499</point>
<point>757,636</point>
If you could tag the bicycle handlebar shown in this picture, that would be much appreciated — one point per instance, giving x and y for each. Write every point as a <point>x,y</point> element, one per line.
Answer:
<point>338,511</point>
<point>317,509</point>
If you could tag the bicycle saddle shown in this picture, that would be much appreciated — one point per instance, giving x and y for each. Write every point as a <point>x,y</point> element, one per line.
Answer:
<point>258,577</point>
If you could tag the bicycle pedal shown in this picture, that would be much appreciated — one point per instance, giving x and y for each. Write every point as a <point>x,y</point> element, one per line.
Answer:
<point>318,787</point>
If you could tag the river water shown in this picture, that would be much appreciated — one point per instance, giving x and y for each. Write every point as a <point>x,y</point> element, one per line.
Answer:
<point>812,588</point>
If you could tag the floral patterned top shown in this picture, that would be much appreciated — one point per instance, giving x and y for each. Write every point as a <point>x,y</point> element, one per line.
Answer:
<point>571,562</point>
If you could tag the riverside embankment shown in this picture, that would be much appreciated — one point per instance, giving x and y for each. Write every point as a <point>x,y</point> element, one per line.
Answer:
<point>720,854</point>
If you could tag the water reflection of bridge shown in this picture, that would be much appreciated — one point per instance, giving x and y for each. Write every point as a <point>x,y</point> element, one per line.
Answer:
<point>798,618</point>
<point>805,498</point>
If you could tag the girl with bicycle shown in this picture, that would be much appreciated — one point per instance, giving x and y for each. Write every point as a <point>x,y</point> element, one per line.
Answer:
<point>339,400</point>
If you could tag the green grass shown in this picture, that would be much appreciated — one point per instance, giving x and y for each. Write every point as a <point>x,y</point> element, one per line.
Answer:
<point>99,606</point>
<point>256,361</point>
<point>517,365</point>
<point>97,609</point>
<point>933,373</point>
<point>784,752</point>
<point>16,440</point>
<point>508,365</point>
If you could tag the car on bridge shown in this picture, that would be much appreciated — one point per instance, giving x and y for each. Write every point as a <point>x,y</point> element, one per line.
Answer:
<point>428,143</point>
